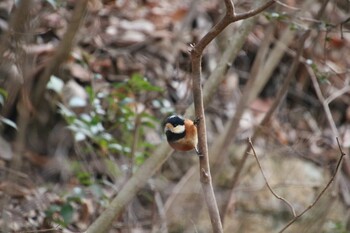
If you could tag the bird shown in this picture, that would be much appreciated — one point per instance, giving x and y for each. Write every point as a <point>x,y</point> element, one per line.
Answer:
<point>181,133</point>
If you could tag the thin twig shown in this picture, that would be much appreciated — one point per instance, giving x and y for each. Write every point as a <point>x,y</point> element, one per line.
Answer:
<point>267,183</point>
<point>337,93</point>
<point>323,101</point>
<point>341,27</point>
<point>287,6</point>
<point>342,154</point>
<point>251,13</point>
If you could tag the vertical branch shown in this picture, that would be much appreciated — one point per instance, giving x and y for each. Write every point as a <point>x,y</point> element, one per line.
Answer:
<point>205,176</point>
<point>17,31</point>
<point>196,58</point>
<point>63,49</point>
<point>136,133</point>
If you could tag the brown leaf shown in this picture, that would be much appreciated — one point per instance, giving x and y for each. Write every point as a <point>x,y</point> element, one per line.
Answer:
<point>14,190</point>
<point>80,73</point>
<point>86,211</point>
<point>179,14</point>
<point>38,160</point>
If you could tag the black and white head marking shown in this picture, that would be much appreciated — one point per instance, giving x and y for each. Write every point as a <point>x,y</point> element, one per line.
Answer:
<point>174,128</point>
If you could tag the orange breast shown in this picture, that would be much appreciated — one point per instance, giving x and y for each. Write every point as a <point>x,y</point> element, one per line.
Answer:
<point>182,145</point>
<point>189,142</point>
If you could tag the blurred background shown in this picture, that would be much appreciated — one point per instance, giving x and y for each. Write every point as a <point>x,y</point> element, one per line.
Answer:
<point>85,85</point>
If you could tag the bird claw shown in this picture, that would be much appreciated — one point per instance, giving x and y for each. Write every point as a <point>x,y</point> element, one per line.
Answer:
<point>198,152</point>
<point>196,121</point>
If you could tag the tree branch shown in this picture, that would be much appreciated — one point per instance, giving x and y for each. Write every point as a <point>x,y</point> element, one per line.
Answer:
<point>127,193</point>
<point>196,58</point>
<point>209,89</point>
<point>266,182</point>
<point>230,17</point>
<point>342,154</point>
<point>253,12</point>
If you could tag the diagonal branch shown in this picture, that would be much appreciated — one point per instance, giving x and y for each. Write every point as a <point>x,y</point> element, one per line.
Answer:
<point>253,12</point>
<point>342,154</point>
<point>266,182</point>
<point>230,17</point>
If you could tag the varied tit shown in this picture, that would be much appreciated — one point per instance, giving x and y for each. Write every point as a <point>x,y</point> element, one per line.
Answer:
<point>181,133</point>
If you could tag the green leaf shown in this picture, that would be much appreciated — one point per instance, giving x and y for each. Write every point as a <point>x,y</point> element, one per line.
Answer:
<point>3,93</point>
<point>115,146</point>
<point>84,178</point>
<point>139,83</point>
<point>64,111</point>
<point>67,212</point>
<point>112,168</point>
<point>79,136</point>
<point>276,15</point>
<point>139,159</point>
<point>55,84</point>
<point>78,194</point>
<point>52,209</point>
<point>90,93</point>
<point>3,96</point>
<point>97,191</point>
<point>77,102</point>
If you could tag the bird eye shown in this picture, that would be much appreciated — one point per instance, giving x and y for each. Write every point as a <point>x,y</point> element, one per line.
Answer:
<point>168,127</point>
<point>178,129</point>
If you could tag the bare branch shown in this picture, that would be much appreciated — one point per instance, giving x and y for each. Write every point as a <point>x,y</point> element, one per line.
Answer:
<point>267,183</point>
<point>230,17</point>
<point>342,154</point>
<point>287,6</point>
<point>230,8</point>
<point>129,190</point>
<point>196,57</point>
<point>337,94</point>
<point>323,102</point>
<point>341,27</point>
<point>253,12</point>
